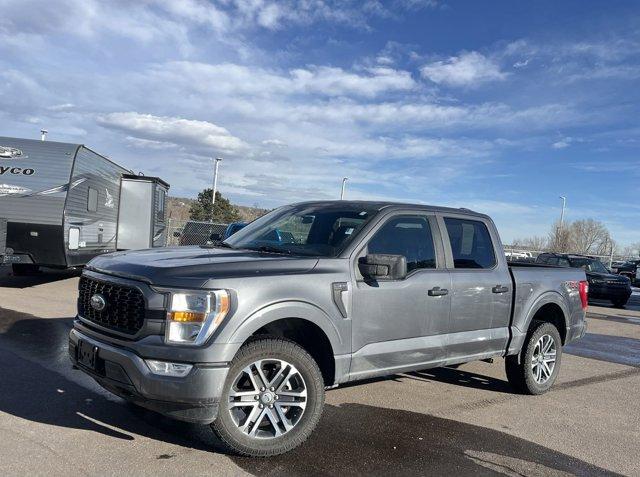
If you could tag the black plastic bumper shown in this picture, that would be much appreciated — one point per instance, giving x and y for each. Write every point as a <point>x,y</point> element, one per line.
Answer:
<point>193,398</point>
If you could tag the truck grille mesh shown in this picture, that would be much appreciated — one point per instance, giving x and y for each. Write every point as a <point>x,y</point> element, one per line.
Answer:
<point>124,310</point>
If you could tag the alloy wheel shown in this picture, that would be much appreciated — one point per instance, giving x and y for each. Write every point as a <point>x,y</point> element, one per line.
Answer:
<point>267,398</point>
<point>543,361</point>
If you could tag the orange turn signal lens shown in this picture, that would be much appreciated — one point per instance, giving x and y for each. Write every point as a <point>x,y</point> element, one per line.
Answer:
<point>222,307</point>
<point>187,316</point>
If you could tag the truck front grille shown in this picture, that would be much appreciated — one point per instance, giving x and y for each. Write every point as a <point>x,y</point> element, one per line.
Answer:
<point>124,309</point>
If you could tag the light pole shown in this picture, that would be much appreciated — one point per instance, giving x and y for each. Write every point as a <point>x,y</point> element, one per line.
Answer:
<point>43,134</point>
<point>344,184</point>
<point>564,203</point>
<point>216,164</point>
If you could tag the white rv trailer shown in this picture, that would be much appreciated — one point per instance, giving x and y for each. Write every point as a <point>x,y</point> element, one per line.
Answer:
<point>63,204</point>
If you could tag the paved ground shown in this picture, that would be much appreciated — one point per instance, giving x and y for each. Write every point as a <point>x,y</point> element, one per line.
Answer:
<point>54,420</point>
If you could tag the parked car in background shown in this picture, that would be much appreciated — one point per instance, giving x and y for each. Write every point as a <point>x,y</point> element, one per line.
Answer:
<point>246,334</point>
<point>200,233</point>
<point>232,228</point>
<point>629,269</point>
<point>616,264</point>
<point>603,284</point>
<point>513,256</point>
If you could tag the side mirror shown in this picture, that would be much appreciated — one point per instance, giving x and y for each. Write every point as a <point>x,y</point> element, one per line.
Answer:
<point>215,237</point>
<point>383,267</point>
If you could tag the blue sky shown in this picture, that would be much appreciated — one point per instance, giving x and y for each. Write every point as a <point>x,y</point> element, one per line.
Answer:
<point>496,106</point>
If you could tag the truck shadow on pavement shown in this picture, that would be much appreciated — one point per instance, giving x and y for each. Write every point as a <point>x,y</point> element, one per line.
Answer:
<point>39,385</point>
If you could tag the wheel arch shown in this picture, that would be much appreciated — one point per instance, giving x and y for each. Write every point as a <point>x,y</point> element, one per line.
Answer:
<point>550,307</point>
<point>301,322</point>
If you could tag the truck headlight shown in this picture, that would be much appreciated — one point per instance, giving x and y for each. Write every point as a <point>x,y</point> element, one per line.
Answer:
<point>193,316</point>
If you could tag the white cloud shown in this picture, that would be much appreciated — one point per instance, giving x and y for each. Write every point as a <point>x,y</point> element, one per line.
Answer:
<point>235,79</point>
<point>173,130</point>
<point>467,69</point>
<point>274,142</point>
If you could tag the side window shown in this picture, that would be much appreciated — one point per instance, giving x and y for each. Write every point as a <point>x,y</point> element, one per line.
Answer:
<point>409,236</point>
<point>92,200</point>
<point>470,243</point>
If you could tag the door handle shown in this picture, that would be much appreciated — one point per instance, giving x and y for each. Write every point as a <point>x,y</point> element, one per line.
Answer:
<point>437,291</point>
<point>499,289</point>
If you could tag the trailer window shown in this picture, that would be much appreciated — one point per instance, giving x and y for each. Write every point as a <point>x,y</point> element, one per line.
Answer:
<point>161,198</point>
<point>92,200</point>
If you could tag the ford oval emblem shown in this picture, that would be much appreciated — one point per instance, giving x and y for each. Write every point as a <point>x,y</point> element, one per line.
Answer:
<point>98,302</point>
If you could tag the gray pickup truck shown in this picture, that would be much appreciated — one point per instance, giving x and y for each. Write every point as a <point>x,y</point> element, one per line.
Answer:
<point>247,334</point>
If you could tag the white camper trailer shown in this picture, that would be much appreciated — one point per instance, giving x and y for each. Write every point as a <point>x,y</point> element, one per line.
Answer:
<point>63,204</point>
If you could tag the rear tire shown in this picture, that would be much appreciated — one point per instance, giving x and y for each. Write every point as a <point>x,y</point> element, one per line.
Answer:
<point>619,303</point>
<point>536,368</point>
<point>24,269</point>
<point>266,425</point>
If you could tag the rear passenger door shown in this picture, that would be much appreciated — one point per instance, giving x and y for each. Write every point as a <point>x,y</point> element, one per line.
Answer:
<point>480,286</point>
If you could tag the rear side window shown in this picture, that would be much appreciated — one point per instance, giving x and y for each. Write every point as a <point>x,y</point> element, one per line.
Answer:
<point>92,200</point>
<point>470,243</point>
<point>408,236</point>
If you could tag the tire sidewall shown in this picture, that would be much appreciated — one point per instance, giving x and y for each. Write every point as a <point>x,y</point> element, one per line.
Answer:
<point>537,333</point>
<point>298,357</point>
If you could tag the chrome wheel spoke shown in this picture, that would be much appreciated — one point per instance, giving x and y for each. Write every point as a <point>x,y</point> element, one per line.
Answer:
<point>250,419</point>
<point>256,426</point>
<point>285,421</point>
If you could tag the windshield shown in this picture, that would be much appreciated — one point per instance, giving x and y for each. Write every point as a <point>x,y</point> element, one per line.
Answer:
<point>589,264</point>
<point>314,230</point>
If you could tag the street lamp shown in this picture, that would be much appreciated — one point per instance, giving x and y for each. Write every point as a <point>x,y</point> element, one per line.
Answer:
<point>564,203</point>
<point>216,164</point>
<point>344,184</point>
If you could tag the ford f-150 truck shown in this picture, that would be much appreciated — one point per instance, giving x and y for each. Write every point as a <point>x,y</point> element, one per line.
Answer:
<point>247,334</point>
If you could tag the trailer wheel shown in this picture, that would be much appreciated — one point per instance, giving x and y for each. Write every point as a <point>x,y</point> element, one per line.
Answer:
<point>536,368</point>
<point>23,269</point>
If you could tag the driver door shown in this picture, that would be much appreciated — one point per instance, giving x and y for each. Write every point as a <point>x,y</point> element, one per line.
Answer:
<point>400,325</point>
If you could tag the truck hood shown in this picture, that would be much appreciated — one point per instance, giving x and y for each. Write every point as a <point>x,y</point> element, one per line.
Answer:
<point>193,266</point>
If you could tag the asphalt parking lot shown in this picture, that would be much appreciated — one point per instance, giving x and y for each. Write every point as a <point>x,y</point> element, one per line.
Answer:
<point>55,420</point>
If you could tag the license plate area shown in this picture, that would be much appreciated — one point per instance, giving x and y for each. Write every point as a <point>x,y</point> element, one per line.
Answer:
<point>87,354</point>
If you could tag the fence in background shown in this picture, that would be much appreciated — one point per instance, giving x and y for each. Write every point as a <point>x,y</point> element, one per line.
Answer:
<point>193,232</point>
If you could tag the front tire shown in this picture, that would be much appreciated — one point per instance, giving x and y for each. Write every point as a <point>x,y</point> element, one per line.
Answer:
<point>272,399</point>
<point>536,368</point>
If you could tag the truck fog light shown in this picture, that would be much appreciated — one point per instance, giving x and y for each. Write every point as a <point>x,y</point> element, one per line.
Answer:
<point>165,368</point>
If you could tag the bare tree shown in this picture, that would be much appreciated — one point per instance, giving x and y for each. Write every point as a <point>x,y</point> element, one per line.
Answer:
<point>631,251</point>
<point>537,244</point>
<point>589,236</point>
<point>560,238</point>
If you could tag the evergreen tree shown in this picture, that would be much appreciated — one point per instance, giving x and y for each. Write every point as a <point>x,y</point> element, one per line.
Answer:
<point>222,211</point>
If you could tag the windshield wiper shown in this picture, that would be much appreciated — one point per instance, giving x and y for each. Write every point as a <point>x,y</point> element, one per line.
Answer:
<point>218,244</point>
<point>271,249</point>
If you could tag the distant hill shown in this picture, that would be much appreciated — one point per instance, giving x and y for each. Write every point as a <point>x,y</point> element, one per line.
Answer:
<point>178,210</point>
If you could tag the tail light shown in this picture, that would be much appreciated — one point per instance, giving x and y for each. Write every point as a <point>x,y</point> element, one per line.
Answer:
<point>584,293</point>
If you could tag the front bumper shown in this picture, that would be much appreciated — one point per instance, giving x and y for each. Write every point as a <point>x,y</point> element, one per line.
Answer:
<point>193,398</point>
<point>609,293</point>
